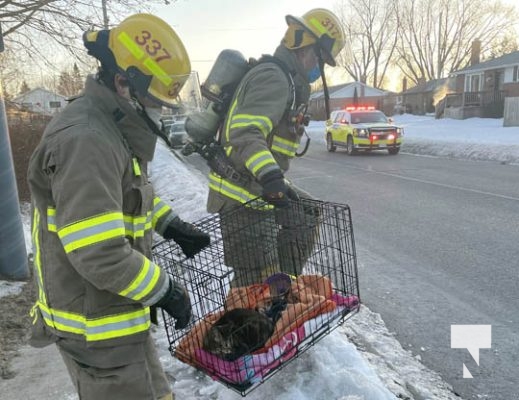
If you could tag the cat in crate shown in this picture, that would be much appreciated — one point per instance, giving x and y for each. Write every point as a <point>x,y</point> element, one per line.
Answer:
<point>238,332</point>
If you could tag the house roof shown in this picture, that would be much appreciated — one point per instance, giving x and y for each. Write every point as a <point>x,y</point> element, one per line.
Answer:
<point>38,89</point>
<point>431,86</point>
<point>347,90</point>
<point>508,60</point>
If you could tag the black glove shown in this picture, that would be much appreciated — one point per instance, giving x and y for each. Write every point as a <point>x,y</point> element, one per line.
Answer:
<point>177,304</point>
<point>275,189</point>
<point>190,239</point>
<point>292,194</point>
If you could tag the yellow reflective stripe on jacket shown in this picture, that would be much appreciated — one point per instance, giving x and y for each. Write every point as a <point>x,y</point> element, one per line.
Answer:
<point>264,124</point>
<point>284,146</point>
<point>144,282</point>
<point>261,162</point>
<point>228,123</point>
<point>97,329</point>
<point>137,226</point>
<point>51,219</point>
<point>233,191</point>
<point>136,167</point>
<point>92,231</point>
<point>159,209</point>
<point>37,254</point>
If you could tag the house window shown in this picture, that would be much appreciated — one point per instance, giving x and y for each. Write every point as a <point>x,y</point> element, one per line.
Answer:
<point>54,104</point>
<point>515,75</point>
<point>473,83</point>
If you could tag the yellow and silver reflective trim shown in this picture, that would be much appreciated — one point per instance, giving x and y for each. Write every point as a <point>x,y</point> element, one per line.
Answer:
<point>261,162</point>
<point>159,209</point>
<point>137,226</point>
<point>144,282</point>
<point>233,191</point>
<point>264,124</point>
<point>37,254</point>
<point>51,219</point>
<point>284,146</point>
<point>134,226</point>
<point>92,231</point>
<point>97,329</point>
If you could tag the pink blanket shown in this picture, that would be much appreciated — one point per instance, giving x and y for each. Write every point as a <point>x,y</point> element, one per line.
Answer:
<point>253,367</point>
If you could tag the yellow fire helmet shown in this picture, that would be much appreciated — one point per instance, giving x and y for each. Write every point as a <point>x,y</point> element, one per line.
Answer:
<point>148,52</point>
<point>317,26</point>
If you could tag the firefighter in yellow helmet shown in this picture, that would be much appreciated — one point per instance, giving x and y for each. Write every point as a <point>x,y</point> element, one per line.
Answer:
<point>261,135</point>
<point>95,212</point>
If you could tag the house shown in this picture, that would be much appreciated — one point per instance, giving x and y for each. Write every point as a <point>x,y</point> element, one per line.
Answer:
<point>482,89</point>
<point>423,98</point>
<point>41,101</point>
<point>348,94</point>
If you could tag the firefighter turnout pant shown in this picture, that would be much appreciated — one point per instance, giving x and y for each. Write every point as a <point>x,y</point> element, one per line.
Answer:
<point>142,379</point>
<point>259,243</point>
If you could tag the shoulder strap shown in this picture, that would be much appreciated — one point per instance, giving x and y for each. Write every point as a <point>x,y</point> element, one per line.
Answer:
<point>266,58</point>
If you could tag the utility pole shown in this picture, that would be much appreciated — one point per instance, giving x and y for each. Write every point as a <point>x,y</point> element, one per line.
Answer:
<point>13,254</point>
<point>105,14</point>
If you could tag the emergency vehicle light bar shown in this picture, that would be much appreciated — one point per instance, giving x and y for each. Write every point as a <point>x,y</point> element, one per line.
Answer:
<point>360,108</point>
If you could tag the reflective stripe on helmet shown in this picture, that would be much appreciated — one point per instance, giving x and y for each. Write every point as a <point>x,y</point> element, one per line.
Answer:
<point>317,26</point>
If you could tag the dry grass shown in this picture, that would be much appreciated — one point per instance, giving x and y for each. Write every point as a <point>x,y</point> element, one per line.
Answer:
<point>25,132</point>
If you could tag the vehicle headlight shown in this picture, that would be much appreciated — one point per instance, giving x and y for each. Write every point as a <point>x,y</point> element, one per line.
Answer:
<point>400,131</point>
<point>362,132</point>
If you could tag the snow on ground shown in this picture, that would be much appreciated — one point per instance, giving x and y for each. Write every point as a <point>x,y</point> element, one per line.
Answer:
<point>359,361</point>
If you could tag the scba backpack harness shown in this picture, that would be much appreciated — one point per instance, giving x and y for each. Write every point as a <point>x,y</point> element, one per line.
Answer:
<point>219,89</point>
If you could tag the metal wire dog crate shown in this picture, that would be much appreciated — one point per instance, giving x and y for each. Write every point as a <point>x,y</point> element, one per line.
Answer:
<point>271,284</point>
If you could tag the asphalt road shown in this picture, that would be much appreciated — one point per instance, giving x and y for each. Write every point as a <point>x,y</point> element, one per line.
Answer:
<point>437,244</point>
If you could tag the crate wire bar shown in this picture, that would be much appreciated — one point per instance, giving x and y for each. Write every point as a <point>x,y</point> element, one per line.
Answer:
<point>271,284</point>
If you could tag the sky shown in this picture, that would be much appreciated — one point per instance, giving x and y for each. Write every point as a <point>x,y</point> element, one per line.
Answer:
<point>359,361</point>
<point>251,27</point>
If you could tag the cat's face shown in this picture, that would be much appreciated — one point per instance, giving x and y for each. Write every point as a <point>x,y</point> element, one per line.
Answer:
<point>219,342</point>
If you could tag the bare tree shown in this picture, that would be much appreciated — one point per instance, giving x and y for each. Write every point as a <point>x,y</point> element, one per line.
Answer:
<point>501,46</point>
<point>69,83</point>
<point>372,33</point>
<point>31,26</point>
<point>436,35</point>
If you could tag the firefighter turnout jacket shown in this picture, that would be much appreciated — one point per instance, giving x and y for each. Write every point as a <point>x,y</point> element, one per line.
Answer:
<point>93,215</point>
<point>256,134</point>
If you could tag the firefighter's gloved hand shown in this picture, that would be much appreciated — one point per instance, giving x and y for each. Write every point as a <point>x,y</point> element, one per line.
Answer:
<point>275,189</point>
<point>177,304</point>
<point>292,194</point>
<point>190,239</point>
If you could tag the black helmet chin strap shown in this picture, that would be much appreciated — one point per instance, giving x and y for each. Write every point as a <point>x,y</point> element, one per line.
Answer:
<point>325,86</point>
<point>141,110</point>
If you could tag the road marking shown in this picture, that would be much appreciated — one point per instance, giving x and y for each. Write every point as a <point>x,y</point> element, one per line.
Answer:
<point>444,185</point>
